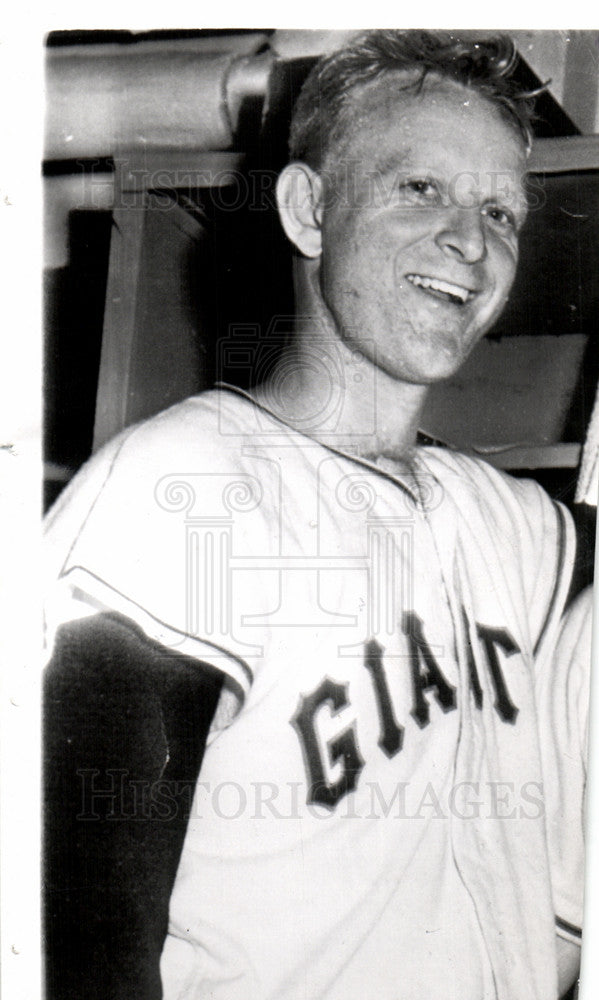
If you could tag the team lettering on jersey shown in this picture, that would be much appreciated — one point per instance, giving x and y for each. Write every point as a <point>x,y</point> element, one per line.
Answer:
<point>426,676</point>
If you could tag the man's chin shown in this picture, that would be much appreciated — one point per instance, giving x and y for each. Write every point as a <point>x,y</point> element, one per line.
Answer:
<point>444,360</point>
<point>427,374</point>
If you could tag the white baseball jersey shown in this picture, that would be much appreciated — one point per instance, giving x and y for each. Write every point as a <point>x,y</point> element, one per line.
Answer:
<point>369,816</point>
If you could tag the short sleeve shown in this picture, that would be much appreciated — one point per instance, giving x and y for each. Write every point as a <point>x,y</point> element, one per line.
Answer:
<point>162,530</point>
<point>526,540</point>
<point>563,703</point>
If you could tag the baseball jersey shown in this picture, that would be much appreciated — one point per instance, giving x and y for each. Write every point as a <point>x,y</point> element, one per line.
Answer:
<point>369,816</point>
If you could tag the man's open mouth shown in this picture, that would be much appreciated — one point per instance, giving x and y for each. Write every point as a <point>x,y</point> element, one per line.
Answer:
<point>444,290</point>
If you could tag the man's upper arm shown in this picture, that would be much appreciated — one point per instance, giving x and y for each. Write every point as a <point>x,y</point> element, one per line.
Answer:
<point>125,724</point>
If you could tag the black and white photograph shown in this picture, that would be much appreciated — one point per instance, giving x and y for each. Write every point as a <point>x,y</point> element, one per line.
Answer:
<point>320,439</point>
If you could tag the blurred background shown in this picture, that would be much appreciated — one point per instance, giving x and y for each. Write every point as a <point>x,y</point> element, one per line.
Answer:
<point>166,268</point>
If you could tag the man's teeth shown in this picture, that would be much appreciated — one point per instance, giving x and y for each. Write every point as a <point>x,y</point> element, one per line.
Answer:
<point>456,291</point>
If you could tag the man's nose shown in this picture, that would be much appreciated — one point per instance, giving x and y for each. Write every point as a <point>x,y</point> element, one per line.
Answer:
<point>463,236</point>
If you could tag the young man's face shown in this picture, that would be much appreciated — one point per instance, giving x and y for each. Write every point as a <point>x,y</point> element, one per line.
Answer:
<point>420,227</point>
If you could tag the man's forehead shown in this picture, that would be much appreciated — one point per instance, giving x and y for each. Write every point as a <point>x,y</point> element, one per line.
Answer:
<point>407,95</point>
<point>395,90</point>
<point>399,119</point>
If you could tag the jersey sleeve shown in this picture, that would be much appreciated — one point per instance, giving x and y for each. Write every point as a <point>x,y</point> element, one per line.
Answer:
<point>563,700</point>
<point>547,543</point>
<point>526,540</point>
<point>540,533</point>
<point>159,528</point>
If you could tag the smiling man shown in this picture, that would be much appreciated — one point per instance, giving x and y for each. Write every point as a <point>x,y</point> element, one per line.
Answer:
<point>407,219</point>
<point>363,620</point>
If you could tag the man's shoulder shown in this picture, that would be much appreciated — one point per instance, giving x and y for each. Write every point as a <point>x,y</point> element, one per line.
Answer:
<point>203,431</point>
<point>202,434</point>
<point>512,523</point>
<point>213,414</point>
<point>478,488</point>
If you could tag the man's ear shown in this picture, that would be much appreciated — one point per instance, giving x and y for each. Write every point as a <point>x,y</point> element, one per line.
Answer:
<point>299,199</point>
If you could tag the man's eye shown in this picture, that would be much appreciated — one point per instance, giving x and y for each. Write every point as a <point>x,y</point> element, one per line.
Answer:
<point>421,188</point>
<point>501,216</point>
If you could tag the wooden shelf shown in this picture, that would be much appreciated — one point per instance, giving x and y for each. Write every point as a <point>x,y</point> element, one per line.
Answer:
<point>546,456</point>
<point>564,155</point>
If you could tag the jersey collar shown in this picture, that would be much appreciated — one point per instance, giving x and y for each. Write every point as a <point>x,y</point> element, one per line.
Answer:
<point>387,468</point>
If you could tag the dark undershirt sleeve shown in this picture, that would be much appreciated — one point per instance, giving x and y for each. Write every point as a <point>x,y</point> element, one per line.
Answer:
<point>125,728</point>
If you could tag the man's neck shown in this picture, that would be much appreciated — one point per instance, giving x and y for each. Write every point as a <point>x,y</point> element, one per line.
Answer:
<point>330,391</point>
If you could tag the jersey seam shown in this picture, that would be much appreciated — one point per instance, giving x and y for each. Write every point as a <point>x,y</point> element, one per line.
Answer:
<point>246,670</point>
<point>565,925</point>
<point>101,489</point>
<point>561,521</point>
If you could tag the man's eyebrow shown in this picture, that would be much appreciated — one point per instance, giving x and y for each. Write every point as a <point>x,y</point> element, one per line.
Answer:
<point>519,201</point>
<point>392,161</point>
<point>523,210</point>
